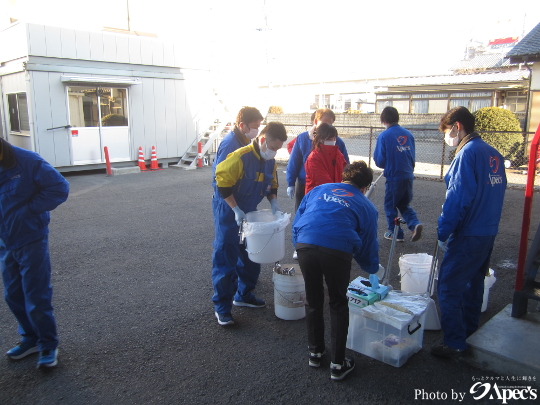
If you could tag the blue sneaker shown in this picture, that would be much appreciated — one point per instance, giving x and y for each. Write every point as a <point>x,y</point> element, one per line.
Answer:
<point>224,319</point>
<point>253,302</point>
<point>22,350</point>
<point>47,358</point>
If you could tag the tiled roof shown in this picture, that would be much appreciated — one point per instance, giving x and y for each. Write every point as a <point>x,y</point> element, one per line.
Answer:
<point>529,45</point>
<point>485,61</point>
<point>513,75</point>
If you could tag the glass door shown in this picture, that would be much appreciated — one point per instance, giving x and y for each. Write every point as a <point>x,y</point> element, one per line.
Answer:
<point>99,117</point>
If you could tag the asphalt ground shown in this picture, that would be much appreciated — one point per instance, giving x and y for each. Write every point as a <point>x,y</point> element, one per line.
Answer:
<point>132,294</point>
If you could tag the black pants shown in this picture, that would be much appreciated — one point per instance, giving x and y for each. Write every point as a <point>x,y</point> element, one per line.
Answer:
<point>336,271</point>
<point>299,193</point>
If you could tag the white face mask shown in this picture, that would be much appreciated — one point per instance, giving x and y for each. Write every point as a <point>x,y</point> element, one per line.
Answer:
<point>451,140</point>
<point>266,153</point>
<point>252,133</point>
<point>330,143</point>
<point>311,132</point>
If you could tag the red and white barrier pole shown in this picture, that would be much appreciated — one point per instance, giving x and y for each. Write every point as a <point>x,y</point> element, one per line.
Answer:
<point>199,155</point>
<point>107,161</point>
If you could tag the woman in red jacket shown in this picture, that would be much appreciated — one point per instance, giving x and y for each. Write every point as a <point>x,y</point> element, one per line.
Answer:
<point>325,163</point>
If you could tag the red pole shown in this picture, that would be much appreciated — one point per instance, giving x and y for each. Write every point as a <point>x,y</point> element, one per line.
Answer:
<point>529,189</point>
<point>199,154</point>
<point>107,161</point>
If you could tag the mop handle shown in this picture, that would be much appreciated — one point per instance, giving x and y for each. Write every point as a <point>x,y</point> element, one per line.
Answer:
<point>397,221</point>
<point>434,261</point>
<point>368,194</point>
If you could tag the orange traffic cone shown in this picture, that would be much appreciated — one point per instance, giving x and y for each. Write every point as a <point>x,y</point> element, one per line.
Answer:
<point>142,166</point>
<point>153,160</point>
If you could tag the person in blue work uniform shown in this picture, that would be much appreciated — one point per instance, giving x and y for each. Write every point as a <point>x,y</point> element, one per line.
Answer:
<point>29,189</point>
<point>243,179</point>
<point>395,153</point>
<point>246,128</point>
<point>467,226</point>
<point>334,224</point>
<point>296,174</point>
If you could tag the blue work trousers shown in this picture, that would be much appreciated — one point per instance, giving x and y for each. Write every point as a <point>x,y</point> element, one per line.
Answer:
<point>460,288</point>
<point>234,275</point>
<point>26,272</point>
<point>399,194</point>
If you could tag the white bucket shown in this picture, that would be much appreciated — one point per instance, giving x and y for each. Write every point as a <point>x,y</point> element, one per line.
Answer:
<point>265,235</point>
<point>414,271</point>
<point>289,296</point>
<point>488,283</point>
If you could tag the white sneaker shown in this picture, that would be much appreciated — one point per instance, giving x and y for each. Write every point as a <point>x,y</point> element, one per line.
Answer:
<point>295,255</point>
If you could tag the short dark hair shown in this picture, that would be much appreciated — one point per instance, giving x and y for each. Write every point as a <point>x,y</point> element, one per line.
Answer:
<point>389,115</point>
<point>322,133</point>
<point>274,130</point>
<point>248,114</point>
<point>458,114</point>
<point>358,173</point>
<point>324,111</point>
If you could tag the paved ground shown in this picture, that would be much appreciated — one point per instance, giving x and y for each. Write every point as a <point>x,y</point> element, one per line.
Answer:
<point>132,258</point>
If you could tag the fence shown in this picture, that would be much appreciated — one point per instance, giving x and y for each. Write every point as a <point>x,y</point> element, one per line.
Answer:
<point>433,155</point>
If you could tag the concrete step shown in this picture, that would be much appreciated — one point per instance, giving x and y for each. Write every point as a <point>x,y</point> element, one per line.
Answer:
<point>508,346</point>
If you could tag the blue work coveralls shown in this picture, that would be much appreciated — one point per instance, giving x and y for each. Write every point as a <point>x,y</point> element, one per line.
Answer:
<point>395,153</point>
<point>251,179</point>
<point>476,183</point>
<point>29,189</point>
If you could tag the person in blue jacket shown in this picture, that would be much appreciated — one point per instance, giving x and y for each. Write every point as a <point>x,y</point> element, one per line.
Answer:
<point>334,224</point>
<point>29,189</point>
<point>296,174</point>
<point>467,226</point>
<point>395,153</point>
<point>246,128</point>
<point>243,179</point>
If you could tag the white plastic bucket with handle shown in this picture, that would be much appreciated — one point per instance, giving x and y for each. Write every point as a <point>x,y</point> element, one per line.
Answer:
<point>265,235</point>
<point>289,296</point>
<point>488,283</point>
<point>414,271</point>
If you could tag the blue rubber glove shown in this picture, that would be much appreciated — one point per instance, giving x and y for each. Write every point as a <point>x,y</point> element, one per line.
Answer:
<point>442,245</point>
<point>239,215</point>
<point>275,208</point>
<point>290,192</point>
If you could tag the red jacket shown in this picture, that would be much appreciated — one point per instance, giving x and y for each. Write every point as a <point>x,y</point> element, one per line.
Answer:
<point>324,165</point>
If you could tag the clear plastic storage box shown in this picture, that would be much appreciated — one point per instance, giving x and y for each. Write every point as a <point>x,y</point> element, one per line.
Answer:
<point>391,330</point>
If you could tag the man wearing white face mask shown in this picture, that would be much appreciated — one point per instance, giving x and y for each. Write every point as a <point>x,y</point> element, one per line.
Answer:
<point>243,179</point>
<point>475,183</point>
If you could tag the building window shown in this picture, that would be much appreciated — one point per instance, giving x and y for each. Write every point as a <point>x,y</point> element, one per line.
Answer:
<point>516,101</point>
<point>84,111</point>
<point>18,113</point>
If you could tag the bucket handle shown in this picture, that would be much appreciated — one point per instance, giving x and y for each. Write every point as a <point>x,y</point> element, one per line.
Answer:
<point>415,329</point>
<point>286,299</point>
<point>269,239</point>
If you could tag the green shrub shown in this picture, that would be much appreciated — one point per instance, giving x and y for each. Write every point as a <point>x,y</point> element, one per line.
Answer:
<point>510,145</point>
<point>114,120</point>
<point>275,109</point>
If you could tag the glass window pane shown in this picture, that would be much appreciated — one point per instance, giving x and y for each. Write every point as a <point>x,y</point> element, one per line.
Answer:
<point>476,104</point>
<point>459,102</point>
<point>382,104</point>
<point>83,106</point>
<point>13,113</point>
<point>438,106</point>
<point>24,121</point>
<point>113,104</point>
<point>401,105</point>
<point>420,106</point>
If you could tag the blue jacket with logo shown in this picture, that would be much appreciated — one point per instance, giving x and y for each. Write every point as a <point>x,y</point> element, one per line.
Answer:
<point>299,155</point>
<point>29,188</point>
<point>475,183</point>
<point>395,153</point>
<point>339,216</point>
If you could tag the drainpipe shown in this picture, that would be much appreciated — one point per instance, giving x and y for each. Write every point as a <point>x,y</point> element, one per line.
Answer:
<point>528,96</point>
<point>30,107</point>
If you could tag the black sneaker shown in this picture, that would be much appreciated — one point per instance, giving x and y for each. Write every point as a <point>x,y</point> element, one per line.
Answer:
<point>338,372</point>
<point>253,302</point>
<point>443,350</point>
<point>315,359</point>
<point>224,319</point>
<point>417,232</point>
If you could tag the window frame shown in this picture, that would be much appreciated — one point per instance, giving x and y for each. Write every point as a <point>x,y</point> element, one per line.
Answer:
<point>20,123</point>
